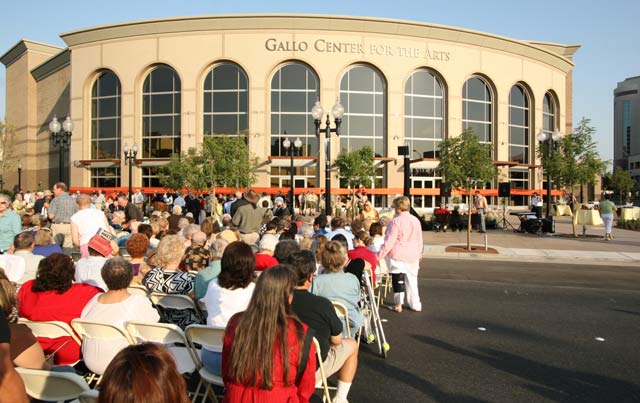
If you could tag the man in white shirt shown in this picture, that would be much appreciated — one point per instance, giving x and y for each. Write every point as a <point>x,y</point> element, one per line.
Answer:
<point>23,245</point>
<point>85,224</point>
<point>337,227</point>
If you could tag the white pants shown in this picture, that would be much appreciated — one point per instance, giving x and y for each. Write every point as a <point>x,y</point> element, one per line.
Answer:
<point>608,222</point>
<point>410,269</point>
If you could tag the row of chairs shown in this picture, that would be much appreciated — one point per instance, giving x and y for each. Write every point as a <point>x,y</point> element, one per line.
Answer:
<point>184,346</point>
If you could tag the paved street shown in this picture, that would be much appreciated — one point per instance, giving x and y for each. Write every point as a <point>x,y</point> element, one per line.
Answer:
<point>552,332</point>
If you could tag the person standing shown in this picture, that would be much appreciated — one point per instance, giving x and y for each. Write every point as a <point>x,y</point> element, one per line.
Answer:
<point>61,208</point>
<point>248,217</point>
<point>480,203</point>
<point>131,212</point>
<point>403,245</point>
<point>10,224</point>
<point>607,211</point>
<point>536,205</point>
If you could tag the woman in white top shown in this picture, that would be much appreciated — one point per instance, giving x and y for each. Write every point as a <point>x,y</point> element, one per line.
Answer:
<point>114,307</point>
<point>85,223</point>
<point>228,294</point>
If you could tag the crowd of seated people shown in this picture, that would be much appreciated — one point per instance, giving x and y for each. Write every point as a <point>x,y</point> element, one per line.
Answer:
<point>232,283</point>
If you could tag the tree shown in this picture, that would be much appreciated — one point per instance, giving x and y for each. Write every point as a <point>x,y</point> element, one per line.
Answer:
<point>464,163</point>
<point>356,168</point>
<point>574,159</point>
<point>621,182</point>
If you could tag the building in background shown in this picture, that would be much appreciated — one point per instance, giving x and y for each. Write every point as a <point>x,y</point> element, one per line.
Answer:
<point>626,127</point>
<point>164,84</point>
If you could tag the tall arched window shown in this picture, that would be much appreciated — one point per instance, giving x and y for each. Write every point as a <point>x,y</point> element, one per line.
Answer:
<point>549,123</point>
<point>294,91</point>
<point>519,135</point>
<point>424,128</point>
<point>364,97</point>
<point>423,113</point>
<point>105,128</point>
<point>160,118</point>
<point>225,100</point>
<point>477,109</point>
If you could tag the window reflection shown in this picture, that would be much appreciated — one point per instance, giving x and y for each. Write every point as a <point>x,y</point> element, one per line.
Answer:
<point>105,125</point>
<point>225,100</point>
<point>161,113</point>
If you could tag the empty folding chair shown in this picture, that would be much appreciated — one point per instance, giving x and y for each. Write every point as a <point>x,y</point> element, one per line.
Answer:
<point>52,386</point>
<point>171,336</point>
<point>212,338</point>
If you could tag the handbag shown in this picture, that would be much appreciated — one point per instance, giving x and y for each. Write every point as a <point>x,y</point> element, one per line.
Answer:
<point>101,242</point>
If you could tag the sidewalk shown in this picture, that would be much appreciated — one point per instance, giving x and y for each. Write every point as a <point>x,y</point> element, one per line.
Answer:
<point>558,247</point>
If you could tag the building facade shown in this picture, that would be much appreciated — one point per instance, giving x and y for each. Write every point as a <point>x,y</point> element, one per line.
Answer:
<point>626,127</point>
<point>165,84</point>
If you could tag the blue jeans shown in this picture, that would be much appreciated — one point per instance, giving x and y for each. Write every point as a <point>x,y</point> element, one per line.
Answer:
<point>212,361</point>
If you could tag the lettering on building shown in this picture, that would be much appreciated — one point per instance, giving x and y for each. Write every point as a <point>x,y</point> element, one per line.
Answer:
<point>356,48</point>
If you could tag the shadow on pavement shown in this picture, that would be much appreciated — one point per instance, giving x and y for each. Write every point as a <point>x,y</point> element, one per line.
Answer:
<point>548,381</point>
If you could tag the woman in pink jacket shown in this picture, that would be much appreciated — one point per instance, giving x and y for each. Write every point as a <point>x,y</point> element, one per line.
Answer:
<point>402,247</point>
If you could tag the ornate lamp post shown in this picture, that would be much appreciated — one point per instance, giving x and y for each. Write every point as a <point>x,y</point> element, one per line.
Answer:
<point>61,139</point>
<point>318,112</point>
<point>130,155</point>
<point>19,175</point>
<point>549,138</point>
<point>296,148</point>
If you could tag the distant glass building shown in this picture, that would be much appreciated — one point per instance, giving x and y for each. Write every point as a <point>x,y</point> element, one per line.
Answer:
<point>165,84</point>
<point>626,127</point>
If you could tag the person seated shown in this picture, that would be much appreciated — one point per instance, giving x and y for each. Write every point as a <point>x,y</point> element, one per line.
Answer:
<point>137,246</point>
<point>144,372</point>
<point>45,245</point>
<point>361,250</point>
<point>338,227</point>
<point>353,266</point>
<point>115,307</point>
<point>167,278</point>
<point>204,277</point>
<point>88,269</point>
<point>26,352</point>
<point>228,294</point>
<point>264,258</point>
<point>456,219</point>
<point>11,383</point>
<point>368,212</point>
<point>338,354</point>
<point>196,256</point>
<point>54,296</point>
<point>284,249</point>
<point>267,355</point>
<point>336,285</point>
<point>23,246</point>
<point>442,218</point>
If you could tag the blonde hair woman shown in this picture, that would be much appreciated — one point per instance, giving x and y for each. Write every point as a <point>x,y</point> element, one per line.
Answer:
<point>336,285</point>
<point>45,245</point>
<point>403,246</point>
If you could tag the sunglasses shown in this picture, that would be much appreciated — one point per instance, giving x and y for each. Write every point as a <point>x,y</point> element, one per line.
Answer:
<point>3,202</point>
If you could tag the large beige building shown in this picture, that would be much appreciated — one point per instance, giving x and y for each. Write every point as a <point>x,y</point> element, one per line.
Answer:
<point>164,84</point>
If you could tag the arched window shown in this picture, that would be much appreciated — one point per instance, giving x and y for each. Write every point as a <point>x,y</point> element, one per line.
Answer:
<point>477,109</point>
<point>105,128</point>
<point>519,135</point>
<point>294,91</point>
<point>423,114</point>
<point>225,100</point>
<point>160,118</point>
<point>549,123</point>
<point>364,97</point>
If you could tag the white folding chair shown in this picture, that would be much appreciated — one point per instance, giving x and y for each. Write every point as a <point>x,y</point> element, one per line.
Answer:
<point>169,335</point>
<point>51,329</point>
<point>173,301</point>
<point>326,397</point>
<point>136,289</point>
<point>343,313</point>
<point>100,331</point>
<point>52,386</point>
<point>89,396</point>
<point>212,338</point>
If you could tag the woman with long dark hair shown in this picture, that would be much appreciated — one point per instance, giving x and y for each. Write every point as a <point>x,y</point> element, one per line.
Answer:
<point>267,354</point>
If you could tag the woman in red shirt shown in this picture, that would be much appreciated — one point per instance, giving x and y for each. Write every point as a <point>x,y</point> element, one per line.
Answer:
<point>261,355</point>
<point>360,250</point>
<point>53,296</point>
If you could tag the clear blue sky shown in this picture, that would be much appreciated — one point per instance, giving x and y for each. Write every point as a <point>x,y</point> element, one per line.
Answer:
<point>607,31</point>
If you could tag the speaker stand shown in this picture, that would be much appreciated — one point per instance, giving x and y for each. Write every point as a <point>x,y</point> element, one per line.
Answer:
<point>505,223</point>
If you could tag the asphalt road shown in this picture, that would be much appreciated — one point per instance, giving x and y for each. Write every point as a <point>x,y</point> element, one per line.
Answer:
<point>510,332</point>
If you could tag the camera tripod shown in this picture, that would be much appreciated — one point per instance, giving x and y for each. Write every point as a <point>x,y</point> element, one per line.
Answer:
<point>504,224</point>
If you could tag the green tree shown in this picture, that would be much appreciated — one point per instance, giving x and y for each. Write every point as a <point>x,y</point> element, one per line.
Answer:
<point>355,168</point>
<point>574,159</point>
<point>464,163</point>
<point>621,182</point>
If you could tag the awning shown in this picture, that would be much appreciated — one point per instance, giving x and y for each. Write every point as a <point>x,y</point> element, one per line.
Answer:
<point>285,162</point>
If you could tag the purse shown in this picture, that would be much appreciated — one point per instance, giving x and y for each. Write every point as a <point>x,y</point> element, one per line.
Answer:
<point>101,242</point>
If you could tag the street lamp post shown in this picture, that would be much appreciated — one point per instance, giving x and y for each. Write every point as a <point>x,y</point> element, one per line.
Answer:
<point>318,112</point>
<point>130,155</point>
<point>549,138</point>
<point>61,139</point>
<point>296,148</point>
<point>19,175</point>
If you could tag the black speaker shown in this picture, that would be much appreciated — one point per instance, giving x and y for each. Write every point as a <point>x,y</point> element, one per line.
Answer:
<point>403,150</point>
<point>445,189</point>
<point>504,189</point>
